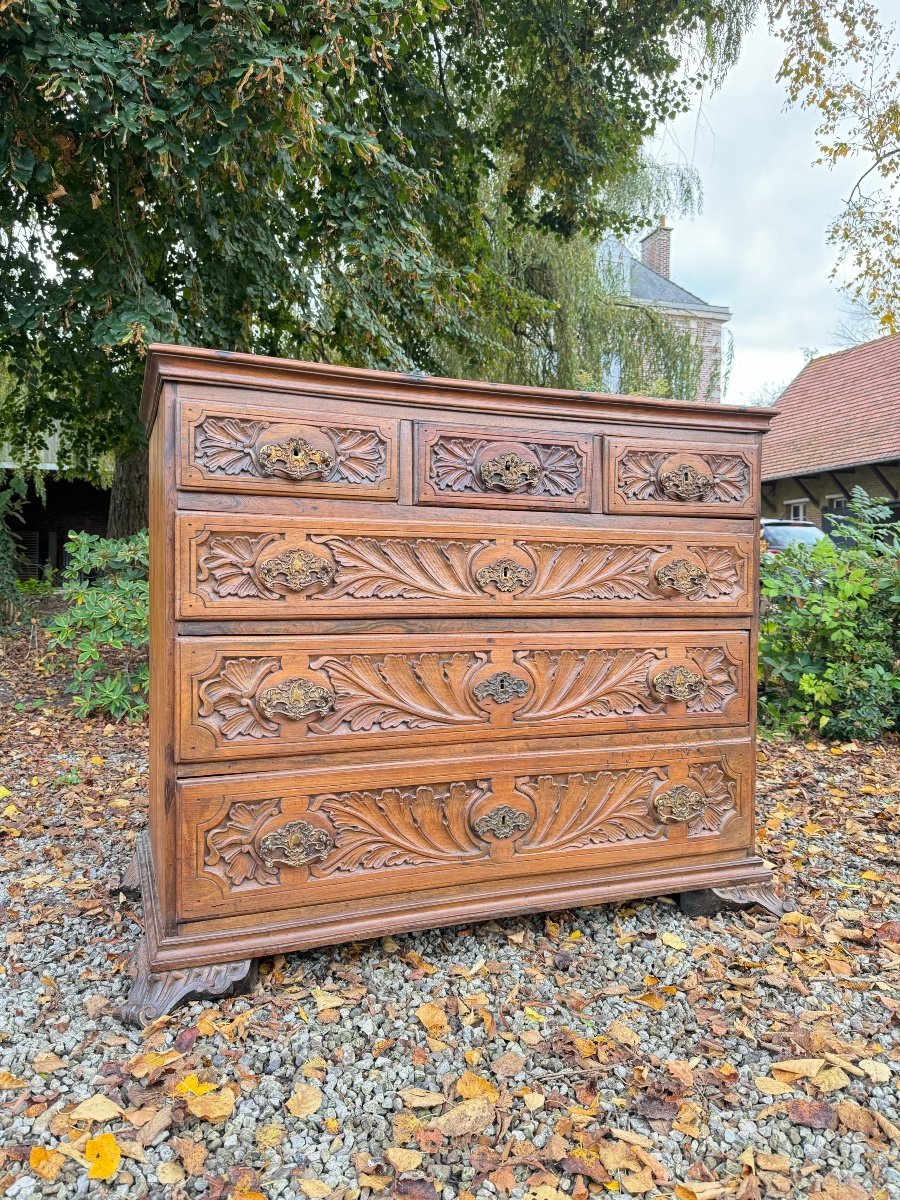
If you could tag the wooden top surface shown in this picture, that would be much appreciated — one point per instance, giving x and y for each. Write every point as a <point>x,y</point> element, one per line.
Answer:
<point>227,369</point>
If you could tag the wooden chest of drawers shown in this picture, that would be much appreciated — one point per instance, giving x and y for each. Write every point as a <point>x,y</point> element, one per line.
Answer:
<point>427,651</point>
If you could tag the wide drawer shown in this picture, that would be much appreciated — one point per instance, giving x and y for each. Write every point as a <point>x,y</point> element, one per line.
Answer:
<point>263,842</point>
<point>282,452</point>
<point>271,567</point>
<point>259,696</point>
<point>659,477</point>
<point>471,467</point>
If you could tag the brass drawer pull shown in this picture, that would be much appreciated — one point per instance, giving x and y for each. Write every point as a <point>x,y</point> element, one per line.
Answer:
<point>295,458</point>
<point>682,575</point>
<point>679,683</point>
<point>294,844</point>
<point>296,699</point>
<point>684,482</point>
<point>509,472</point>
<point>296,570</point>
<point>679,803</point>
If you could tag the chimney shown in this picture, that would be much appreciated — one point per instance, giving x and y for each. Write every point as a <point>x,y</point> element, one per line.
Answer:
<point>655,248</point>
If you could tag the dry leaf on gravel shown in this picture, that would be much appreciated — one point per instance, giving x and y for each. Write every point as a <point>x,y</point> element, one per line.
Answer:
<point>403,1160</point>
<point>104,1155</point>
<point>305,1100</point>
<point>434,1019</point>
<point>466,1119</point>
<point>214,1107</point>
<point>96,1108</point>
<point>421,1098</point>
<point>469,1086</point>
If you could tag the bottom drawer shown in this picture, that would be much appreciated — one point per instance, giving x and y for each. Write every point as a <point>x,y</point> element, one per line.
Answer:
<point>298,839</point>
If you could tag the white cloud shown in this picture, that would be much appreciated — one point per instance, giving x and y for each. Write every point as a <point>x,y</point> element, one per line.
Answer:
<point>759,245</point>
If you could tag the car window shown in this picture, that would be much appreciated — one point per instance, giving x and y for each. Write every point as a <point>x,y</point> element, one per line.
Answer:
<point>780,536</point>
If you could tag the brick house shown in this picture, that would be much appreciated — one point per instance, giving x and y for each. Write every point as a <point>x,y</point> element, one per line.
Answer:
<point>838,427</point>
<point>646,280</point>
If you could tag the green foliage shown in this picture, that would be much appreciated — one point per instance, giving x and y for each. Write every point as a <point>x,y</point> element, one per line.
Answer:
<point>830,632</point>
<point>12,497</point>
<point>105,625</point>
<point>303,179</point>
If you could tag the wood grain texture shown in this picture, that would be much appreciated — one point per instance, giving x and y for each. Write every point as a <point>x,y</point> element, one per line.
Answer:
<point>247,697</point>
<point>425,651</point>
<point>246,568</point>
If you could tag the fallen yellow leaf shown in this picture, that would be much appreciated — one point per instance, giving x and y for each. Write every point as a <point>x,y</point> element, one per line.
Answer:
<point>104,1155</point>
<point>315,1189</point>
<point>469,1085</point>
<point>46,1163</point>
<point>673,941</point>
<point>434,1019</point>
<point>96,1108</point>
<point>466,1119</point>
<point>403,1160</point>
<point>214,1107</point>
<point>192,1085</point>
<point>305,1100</point>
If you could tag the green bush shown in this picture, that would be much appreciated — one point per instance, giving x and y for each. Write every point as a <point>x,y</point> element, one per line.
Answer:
<point>829,649</point>
<point>12,497</point>
<point>106,624</point>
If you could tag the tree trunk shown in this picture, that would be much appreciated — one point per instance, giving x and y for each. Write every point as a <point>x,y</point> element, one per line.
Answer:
<point>128,501</point>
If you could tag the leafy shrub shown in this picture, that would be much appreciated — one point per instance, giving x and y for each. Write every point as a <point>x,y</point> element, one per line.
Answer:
<point>830,630</point>
<point>12,497</point>
<point>106,623</point>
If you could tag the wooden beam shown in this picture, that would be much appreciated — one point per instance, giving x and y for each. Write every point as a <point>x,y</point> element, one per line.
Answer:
<point>798,480</point>
<point>891,490</point>
<point>840,485</point>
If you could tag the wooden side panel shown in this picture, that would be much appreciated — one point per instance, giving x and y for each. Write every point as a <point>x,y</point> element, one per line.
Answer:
<point>260,843</point>
<point>277,451</point>
<point>233,567</point>
<point>657,477</point>
<point>242,697</point>
<point>471,467</point>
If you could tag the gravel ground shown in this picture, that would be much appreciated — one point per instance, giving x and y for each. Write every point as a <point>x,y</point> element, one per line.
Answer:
<point>618,1050</point>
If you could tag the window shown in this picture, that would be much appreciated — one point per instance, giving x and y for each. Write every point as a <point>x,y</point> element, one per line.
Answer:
<point>836,503</point>
<point>796,510</point>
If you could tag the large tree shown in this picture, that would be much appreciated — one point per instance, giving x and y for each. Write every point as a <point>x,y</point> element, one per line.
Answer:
<point>301,178</point>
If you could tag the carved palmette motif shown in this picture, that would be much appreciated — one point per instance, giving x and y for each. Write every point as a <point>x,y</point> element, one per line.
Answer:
<point>297,569</point>
<point>231,445</point>
<point>296,699</point>
<point>509,472</point>
<point>657,475</point>
<point>460,464</point>
<point>501,687</point>
<point>294,844</point>
<point>228,698</point>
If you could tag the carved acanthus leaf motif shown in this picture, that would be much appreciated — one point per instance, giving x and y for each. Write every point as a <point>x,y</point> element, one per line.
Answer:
<point>296,699</point>
<point>636,474</point>
<point>394,828</point>
<point>502,821</point>
<point>579,572</point>
<point>227,566</point>
<point>226,444</point>
<point>720,676</point>
<point>294,458</point>
<point>718,789</point>
<point>295,570</point>
<point>509,472</point>
<point>561,468</point>
<point>576,683</point>
<point>295,844</point>
<point>407,568</point>
<point>576,811</point>
<point>731,477</point>
<point>505,574</point>
<point>683,575</point>
<point>228,700</point>
<point>232,851</point>
<point>399,692</point>
<point>501,688</point>
<point>679,683</point>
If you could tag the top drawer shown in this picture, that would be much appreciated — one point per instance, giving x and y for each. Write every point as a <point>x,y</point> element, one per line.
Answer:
<point>226,448</point>
<point>657,477</point>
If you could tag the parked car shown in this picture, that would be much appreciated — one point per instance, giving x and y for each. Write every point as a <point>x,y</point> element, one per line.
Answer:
<point>778,535</point>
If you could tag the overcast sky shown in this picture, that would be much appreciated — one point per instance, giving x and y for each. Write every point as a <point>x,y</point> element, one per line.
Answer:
<point>759,245</point>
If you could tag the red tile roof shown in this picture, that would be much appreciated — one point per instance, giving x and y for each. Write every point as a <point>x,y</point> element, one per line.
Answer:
<point>842,410</point>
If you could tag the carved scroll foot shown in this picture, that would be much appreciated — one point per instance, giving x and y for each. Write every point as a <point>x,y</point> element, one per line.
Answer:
<point>709,901</point>
<point>154,993</point>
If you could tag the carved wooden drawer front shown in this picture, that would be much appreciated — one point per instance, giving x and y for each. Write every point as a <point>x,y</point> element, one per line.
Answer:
<point>243,567</point>
<point>489,468</point>
<point>261,696</point>
<point>665,478</point>
<point>233,449</point>
<point>274,841</point>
